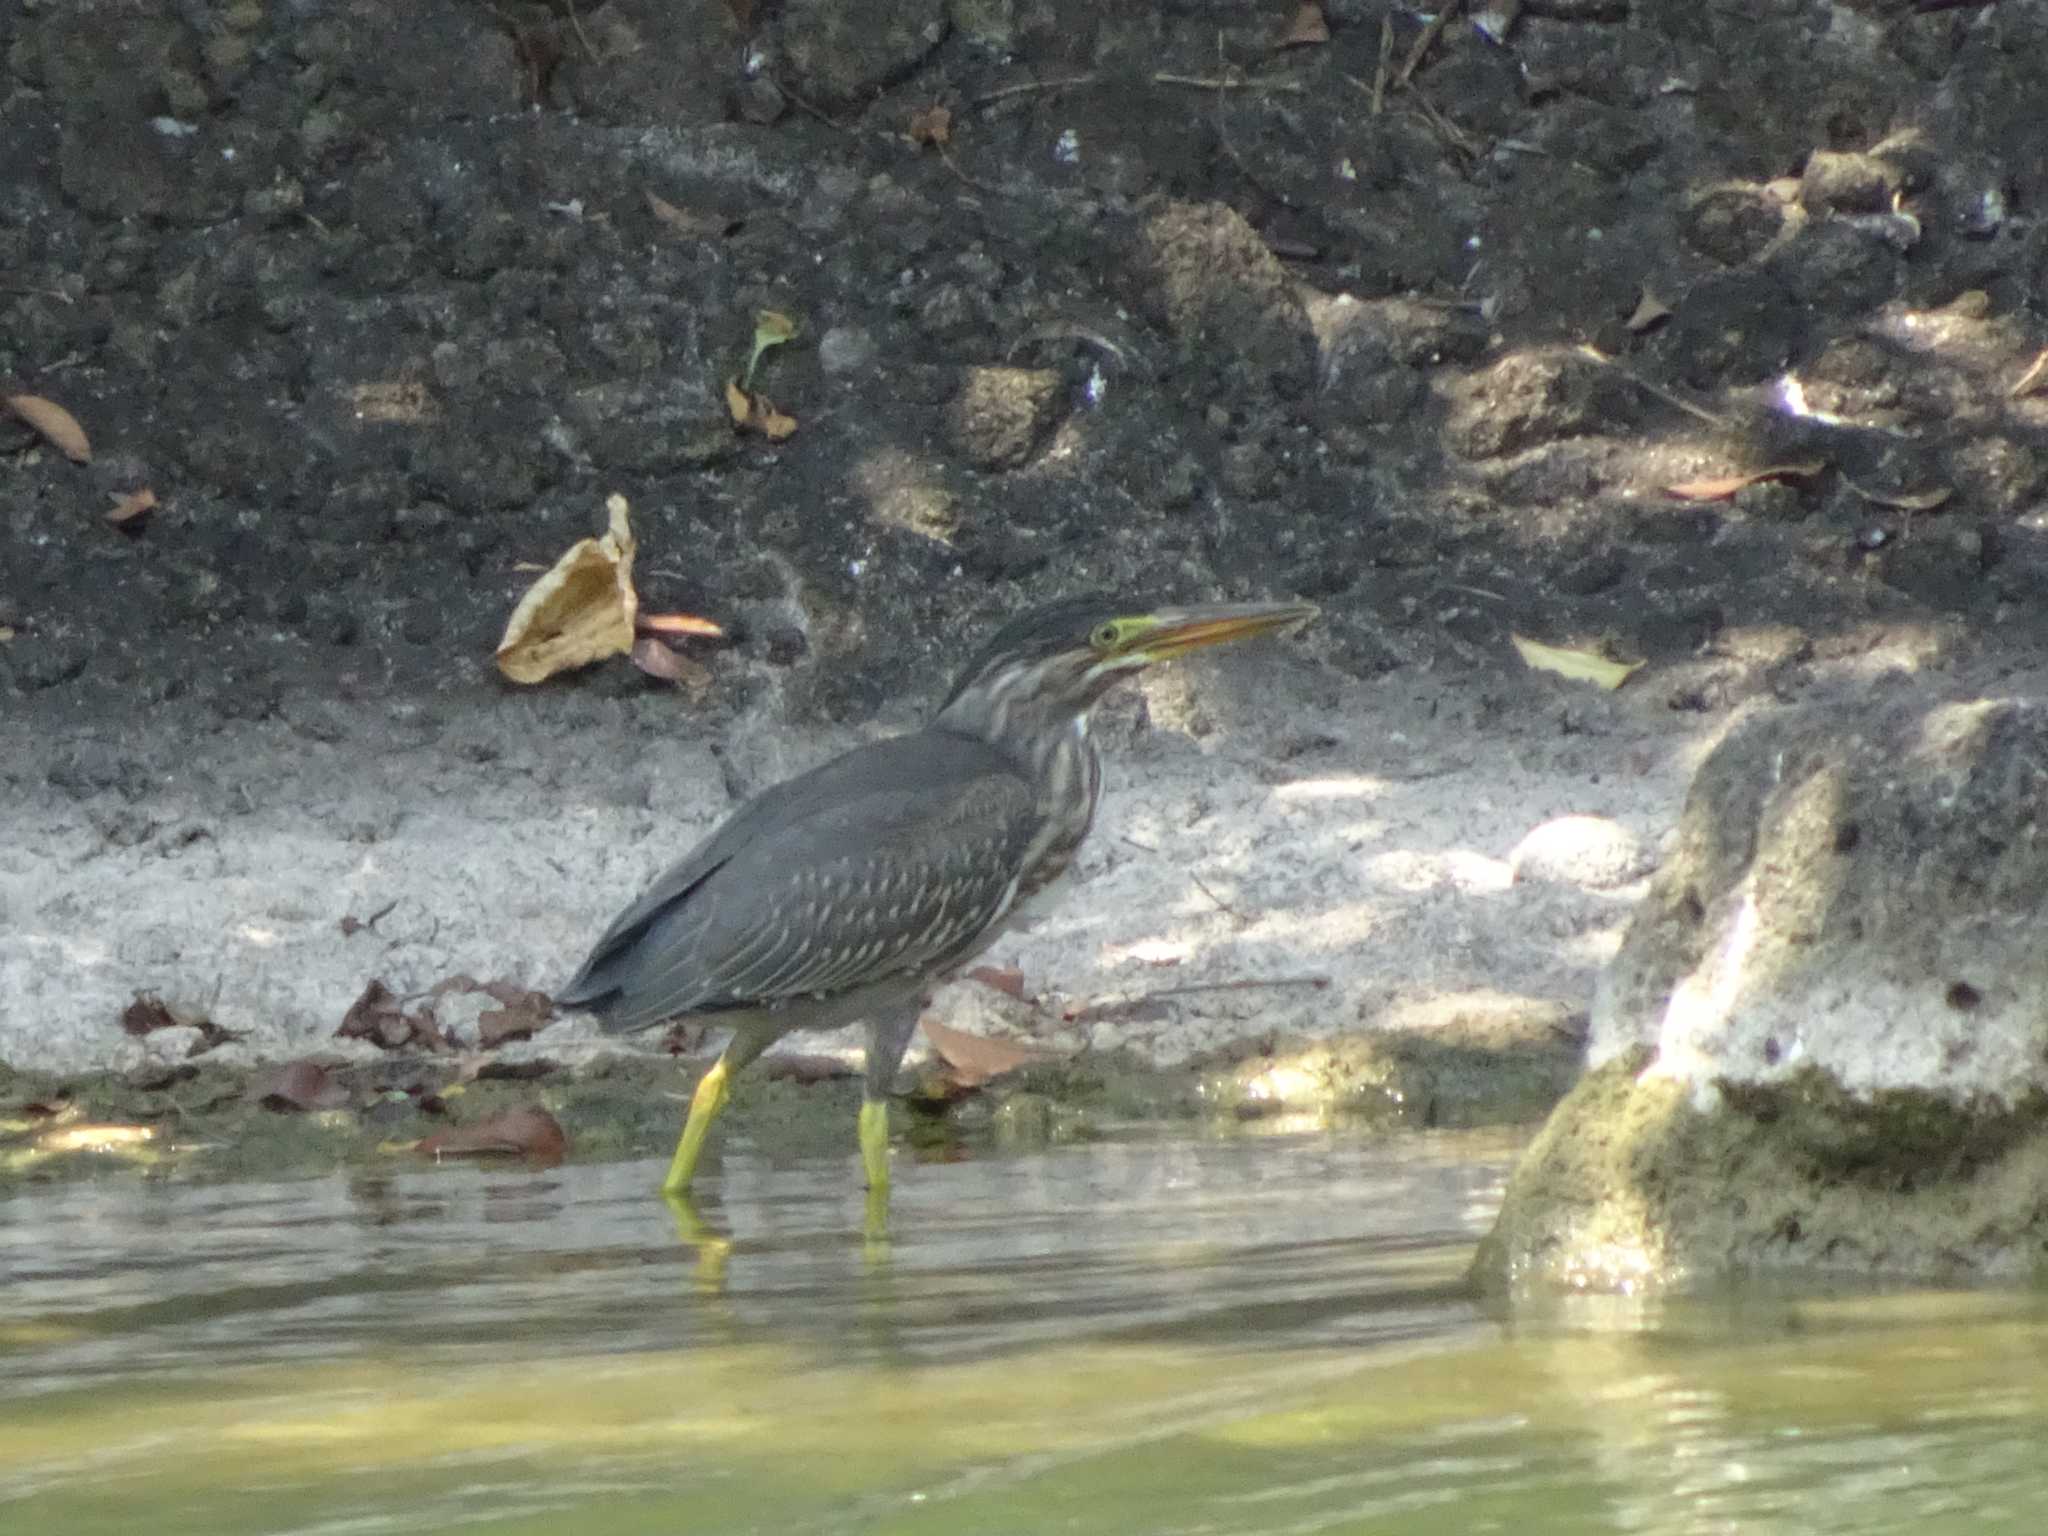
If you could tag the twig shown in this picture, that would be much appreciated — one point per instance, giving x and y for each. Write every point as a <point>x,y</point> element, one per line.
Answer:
<point>1677,401</point>
<point>1203,886</point>
<point>1229,83</point>
<point>1027,87</point>
<point>1427,39</point>
<point>1113,1007</point>
<point>1385,67</point>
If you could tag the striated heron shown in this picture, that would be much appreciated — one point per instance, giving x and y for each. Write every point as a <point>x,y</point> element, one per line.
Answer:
<point>846,892</point>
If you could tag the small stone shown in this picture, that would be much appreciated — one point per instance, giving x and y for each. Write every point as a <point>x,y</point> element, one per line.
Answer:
<point>845,349</point>
<point>1000,415</point>
<point>1589,851</point>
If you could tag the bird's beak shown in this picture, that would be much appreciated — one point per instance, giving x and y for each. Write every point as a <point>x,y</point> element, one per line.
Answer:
<point>1176,631</point>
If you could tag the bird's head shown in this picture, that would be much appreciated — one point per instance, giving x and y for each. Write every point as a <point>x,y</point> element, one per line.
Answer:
<point>1051,665</point>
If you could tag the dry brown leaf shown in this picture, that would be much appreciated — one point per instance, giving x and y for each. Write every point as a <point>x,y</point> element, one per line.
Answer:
<point>130,505</point>
<point>1308,28</point>
<point>381,1018</point>
<point>299,1085</point>
<point>974,1060</point>
<point>677,624</point>
<point>148,1014</point>
<point>690,222</point>
<point>1904,501</point>
<point>756,413</point>
<point>1006,979</point>
<point>1649,310</point>
<point>656,659</point>
<point>580,611</point>
<point>526,1131</point>
<point>933,125</point>
<point>1721,487</point>
<point>58,426</point>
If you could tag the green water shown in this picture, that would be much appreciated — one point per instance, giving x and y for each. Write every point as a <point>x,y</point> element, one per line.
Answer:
<point>1243,1336</point>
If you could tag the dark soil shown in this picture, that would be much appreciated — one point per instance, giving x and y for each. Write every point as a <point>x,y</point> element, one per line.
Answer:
<point>383,299</point>
<point>374,297</point>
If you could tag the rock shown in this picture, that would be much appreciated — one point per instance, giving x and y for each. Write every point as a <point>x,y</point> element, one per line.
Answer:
<point>1590,851</point>
<point>1227,299</point>
<point>843,52</point>
<point>1848,183</point>
<point>1532,397</point>
<point>1000,415</point>
<point>1824,1042</point>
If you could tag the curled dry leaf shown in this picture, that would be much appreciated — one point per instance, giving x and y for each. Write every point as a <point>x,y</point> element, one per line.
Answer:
<point>130,506</point>
<point>299,1085</point>
<point>657,659</point>
<point>933,125</point>
<point>380,1017</point>
<point>526,1131</point>
<point>677,624</point>
<point>580,611</point>
<point>148,1014</point>
<point>1308,27</point>
<point>57,426</point>
<point>1581,666</point>
<point>1721,487</point>
<point>972,1060</point>
<point>756,413</point>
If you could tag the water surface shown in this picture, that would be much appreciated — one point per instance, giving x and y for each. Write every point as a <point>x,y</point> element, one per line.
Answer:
<point>1161,1334</point>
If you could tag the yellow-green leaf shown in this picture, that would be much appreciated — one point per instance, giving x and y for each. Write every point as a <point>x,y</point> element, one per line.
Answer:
<point>771,329</point>
<point>1580,666</point>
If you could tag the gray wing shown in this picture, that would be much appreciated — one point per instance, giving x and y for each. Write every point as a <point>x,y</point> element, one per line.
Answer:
<point>892,861</point>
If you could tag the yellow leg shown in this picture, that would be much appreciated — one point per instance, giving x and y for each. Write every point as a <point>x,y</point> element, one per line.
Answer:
<point>874,1147</point>
<point>712,1092</point>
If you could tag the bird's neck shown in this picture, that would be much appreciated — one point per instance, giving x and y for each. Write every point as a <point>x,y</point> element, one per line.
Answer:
<point>1054,752</point>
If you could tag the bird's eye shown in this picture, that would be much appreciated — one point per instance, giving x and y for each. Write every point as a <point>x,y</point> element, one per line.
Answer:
<point>1104,637</point>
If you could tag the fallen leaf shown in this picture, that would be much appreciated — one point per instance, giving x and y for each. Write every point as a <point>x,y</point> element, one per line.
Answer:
<point>1905,501</point>
<point>771,329</point>
<point>1308,27</point>
<point>1006,979</point>
<point>1581,666</point>
<point>933,125</point>
<point>756,413</point>
<point>501,1026</point>
<point>379,1017</point>
<point>526,1131</point>
<point>580,611</point>
<point>677,624</point>
<point>147,1014</point>
<point>299,1085</point>
<point>6,633</point>
<point>692,222</point>
<point>130,505</point>
<point>1649,310</point>
<point>973,1060</point>
<point>1721,487</point>
<point>658,659</point>
<point>57,426</point>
